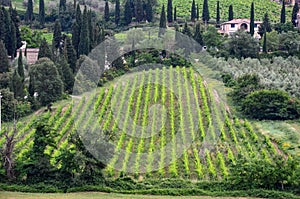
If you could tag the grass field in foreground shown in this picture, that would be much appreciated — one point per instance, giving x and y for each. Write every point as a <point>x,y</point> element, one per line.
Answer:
<point>94,195</point>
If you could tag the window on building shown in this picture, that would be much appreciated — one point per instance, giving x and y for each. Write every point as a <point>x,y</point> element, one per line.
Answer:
<point>232,25</point>
<point>255,25</point>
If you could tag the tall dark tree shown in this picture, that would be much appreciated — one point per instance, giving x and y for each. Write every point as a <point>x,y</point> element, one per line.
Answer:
<point>17,85</point>
<point>4,64</point>
<point>10,39</point>
<point>197,12</point>
<point>16,20</point>
<point>265,43</point>
<point>90,28</point>
<point>57,37</point>
<point>170,11</point>
<point>139,12</point>
<point>218,13</point>
<point>265,26</point>
<point>84,43</point>
<point>186,30</point>
<point>62,6</point>
<point>175,13</point>
<point>127,13</point>
<point>193,11</point>
<point>117,12</point>
<point>21,65</point>
<point>198,35</point>
<point>252,19</point>
<point>70,54</point>
<point>282,15</point>
<point>162,21</point>
<point>149,11</point>
<point>230,13</point>
<point>294,14</point>
<point>78,16</point>
<point>75,37</point>
<point>67,73</point>
<point>29,11</point>
<point>42,13</point>
<point>205,12</point>
<point>44,50</point>
<point>106,11</point>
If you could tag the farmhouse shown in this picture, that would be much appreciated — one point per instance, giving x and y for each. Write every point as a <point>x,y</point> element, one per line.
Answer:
<point>234,25</point>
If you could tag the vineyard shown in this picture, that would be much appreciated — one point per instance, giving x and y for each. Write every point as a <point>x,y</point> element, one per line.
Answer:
<point>156,115</point>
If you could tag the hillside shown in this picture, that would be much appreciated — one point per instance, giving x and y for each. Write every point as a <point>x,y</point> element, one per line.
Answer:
<point>197,124</point>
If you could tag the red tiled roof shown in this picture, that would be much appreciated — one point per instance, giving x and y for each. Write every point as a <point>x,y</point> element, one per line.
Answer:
<point>237,21</point>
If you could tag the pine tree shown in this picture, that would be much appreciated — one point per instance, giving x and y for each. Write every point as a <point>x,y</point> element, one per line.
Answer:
<point>44,50</point>
<point>252,19</point>
<point>149,11</point>
<point>193,11</point>
<point>127,13</point>
<point>218,13</point>
<point>41,13</point>
<point>282,16</point>
<point>139,13</point>
<point>162,21</point>
<point>20,65</point>
<point>170,11</point>
<point>265,43</point>
<point>84,43</point>
<point>57,37</point>
<point>294,14</point>
<point>175,13</point>
<point>70,54</point>
<point>198,35</point>
<point>106,11</point>
<point>4,64</point>
<point>230,13</point>
<point>29,11</point>
<point>205,12</point>
<point>117,12</point>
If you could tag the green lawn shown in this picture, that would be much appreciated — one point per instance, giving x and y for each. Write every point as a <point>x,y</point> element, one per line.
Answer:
<point>90,195</point>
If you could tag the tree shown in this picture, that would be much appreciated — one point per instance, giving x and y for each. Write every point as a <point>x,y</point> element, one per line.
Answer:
<point>230,13</point>
<point>76,37</point>
<point>20,65</point>
<point>218,13</point>
<point>252,19</point>
<point>242,45</point>
<point>56,42</point>
<point>149,11</point>
<point>117,12</point>
<point>29,11</point>
<point>127,13</point>
<point>139,11</point>
<point>198,35</point>
<point>4,64</point>
<point>44,50</point>
<point>294,14</point>
<point>272,41</point>
<point>265,26</point>
<point>70,54</point>
<point>193,11</point>
<point>162,21</point>
<point>9,36</point>
<point>84,43</point>
<point>67,73</point>
<point>212,38</point>
<point>175,13</point>
<point>265,43</point>
<point>186,30</point>
<point>170,11</point>
<point>205,12</point>
<point>7,105</point>
<point>16,20</point>
<point>42,13</point>
<point>282,15</point>
<point>62,6</point>
<point>17,85</point>
<point>106,12</point>
<point>47,81</point>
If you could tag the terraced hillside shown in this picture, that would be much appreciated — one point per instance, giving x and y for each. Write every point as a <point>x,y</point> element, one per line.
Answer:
<point>151,117</point>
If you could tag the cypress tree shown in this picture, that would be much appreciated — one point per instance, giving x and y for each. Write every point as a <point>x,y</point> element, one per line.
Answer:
<point>78,16</point>
<point>186,30</point>
<point>66,73</point>
<point>56,35</point>
<point>44,50</point>
<point>162,21</point>
<point>4,64</point>
<point>282,16</point>
<point>15,19</point>
<point>218,13</point>
<point>230,13</point>
<point>2,26</point>
<point>42,13</point>
<point>84,43</point>
<point>265,26</point>
<point>294,14</point>
<point>127,13</point>
<point>25,53</point>
<point>70,54</point>
<point>20,65</point>
<point>75,37</point>
<point>265,43</point>
<point>198,12</point>
<point>139,13</point>
<point>13,39</point>
<point>205,12</point>
<point>170,11</point>
<point>17,84</point>
<point>9,33</point>
<point>117,12</point>
<point>175,13</point>
<point>90,27</point>
<point>149,11</point>
<point>29,11</point>
<point>62,6</point>
<point>106,11</point>
<point>193,11</point>
<point>198,35</point>
<point>252,19</point>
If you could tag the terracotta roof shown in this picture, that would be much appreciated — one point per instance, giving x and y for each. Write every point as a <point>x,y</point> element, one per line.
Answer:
<point>237,21</point>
